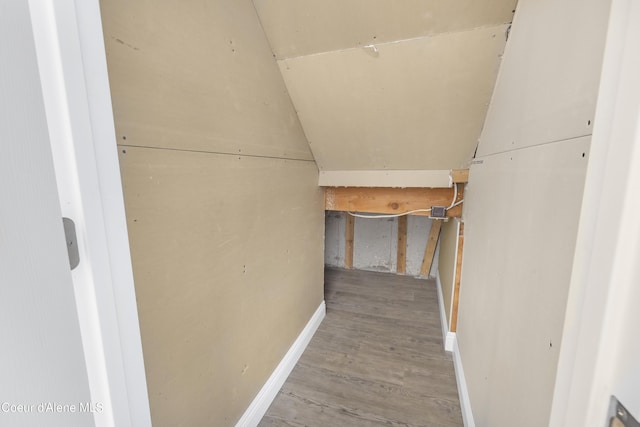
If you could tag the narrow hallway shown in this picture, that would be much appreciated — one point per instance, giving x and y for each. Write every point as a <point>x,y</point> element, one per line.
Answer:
<point>377,359</point>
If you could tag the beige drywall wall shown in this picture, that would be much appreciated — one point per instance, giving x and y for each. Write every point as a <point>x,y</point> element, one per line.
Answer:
<point>225,217</point>
<point>522,209</point>
<point>552,107</point>
<point>521,221</point>
<point>304,27</point>
<point>417,104</point>
<point>447,263</point>
<point>199,76</point>
<point>228,258</point>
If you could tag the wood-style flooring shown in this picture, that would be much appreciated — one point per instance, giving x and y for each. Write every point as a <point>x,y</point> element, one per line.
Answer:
<point>376,360</point>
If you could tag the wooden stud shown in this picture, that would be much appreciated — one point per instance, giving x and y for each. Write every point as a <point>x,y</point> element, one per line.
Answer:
<point>384,200</point>
<point>430,250</point>
<point>348,246</point>
<point>456,285</point>
<point>402,245</point>
<point>460,176</point>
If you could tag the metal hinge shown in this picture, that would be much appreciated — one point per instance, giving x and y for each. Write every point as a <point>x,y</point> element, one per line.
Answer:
<point>619,416</point>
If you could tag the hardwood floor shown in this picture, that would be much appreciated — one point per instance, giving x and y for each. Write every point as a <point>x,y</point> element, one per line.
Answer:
<point>377,359</point>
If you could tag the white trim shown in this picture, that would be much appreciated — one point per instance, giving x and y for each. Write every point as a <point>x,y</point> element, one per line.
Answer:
<point>72,62</point>
<point>385,178</point>
<point>598,355</point>
<point>463,391</point>
<point>114,226</point>
<point>449,341</point>
<point>269,391</point>
<point>448,338</point>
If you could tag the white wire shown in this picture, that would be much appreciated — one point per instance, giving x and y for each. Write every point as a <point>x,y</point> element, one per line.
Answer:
<point>452,205</point>
<point>456,204</point>
<point>389,215</point>
<point>455,195</point>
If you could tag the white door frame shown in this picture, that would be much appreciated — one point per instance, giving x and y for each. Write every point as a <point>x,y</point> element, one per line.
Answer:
<point>73,70</point>
<point>607,258</point>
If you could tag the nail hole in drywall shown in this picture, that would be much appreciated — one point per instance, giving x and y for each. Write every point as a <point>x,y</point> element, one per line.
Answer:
<point>588,122</point>
<point>124,137</point>
<point>583,154</point>
<point>124,151</point>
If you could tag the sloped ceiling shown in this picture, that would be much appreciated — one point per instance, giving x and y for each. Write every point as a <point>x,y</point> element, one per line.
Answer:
<point>389,85</point>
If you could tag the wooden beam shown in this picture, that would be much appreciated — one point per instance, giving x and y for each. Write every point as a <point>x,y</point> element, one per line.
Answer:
<point>460,176</point>
<point>402,245</point>
<point>348,245</point>
<point>430,250</point>
<point>391,200</point>
<point>456,285</point>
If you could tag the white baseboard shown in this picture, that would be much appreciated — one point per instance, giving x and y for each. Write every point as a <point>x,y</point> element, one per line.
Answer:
<point>269,391</point>
<point>447,337</point>
<point>463,391</point>
<point>449,340</point>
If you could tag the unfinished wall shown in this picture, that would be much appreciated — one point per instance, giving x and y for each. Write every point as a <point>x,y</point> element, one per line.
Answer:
<point>224,213</point>
<point>376,243</point>
<point>521,210</point>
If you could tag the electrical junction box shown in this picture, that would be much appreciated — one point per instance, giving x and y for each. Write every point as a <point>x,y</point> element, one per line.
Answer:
<point>439,212</point>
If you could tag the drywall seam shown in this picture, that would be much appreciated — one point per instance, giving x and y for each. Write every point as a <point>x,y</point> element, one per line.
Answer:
<point>515,150</point>
<point>463,392</point>
<point>374,45</point>
<point>269,391</point>
<point>221,153</point>
<point>385,178</point>
<point>448,338</point>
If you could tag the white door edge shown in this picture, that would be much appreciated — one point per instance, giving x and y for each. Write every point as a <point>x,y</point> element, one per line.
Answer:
<point>607,252</point>
<point>72,62</point>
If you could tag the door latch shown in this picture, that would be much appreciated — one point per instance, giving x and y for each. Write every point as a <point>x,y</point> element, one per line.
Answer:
<point>72,242</point>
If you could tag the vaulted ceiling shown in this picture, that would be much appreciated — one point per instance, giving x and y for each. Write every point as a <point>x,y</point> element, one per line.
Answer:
<point>383,85</point>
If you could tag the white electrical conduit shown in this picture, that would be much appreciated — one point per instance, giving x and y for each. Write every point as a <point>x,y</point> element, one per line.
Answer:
<point>452,205</point>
